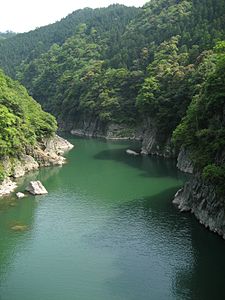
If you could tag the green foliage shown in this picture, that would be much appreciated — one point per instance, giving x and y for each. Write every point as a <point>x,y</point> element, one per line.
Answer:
<point>22,121</point>
<point>215,175</point>
<point>166,92</point>
<point>6,35</point>
<point>2,173</point>
<point>163,62</point>
<point>30,45</point>
<point>202,130</point>
<point>129,67</point>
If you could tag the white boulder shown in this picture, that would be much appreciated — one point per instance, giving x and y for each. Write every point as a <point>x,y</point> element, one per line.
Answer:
<point>20,195</point>
<point>36,188</point>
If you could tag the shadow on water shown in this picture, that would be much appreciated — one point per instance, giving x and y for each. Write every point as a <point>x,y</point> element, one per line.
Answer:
<point>163,254</point>
<point>205,280</point>
<point>146,235</point>
<point>150,166</point>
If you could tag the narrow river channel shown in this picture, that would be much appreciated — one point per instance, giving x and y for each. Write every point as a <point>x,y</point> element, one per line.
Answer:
<point>107,230</point>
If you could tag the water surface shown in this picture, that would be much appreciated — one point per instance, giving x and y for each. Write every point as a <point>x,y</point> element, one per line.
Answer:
<point>107,230</point>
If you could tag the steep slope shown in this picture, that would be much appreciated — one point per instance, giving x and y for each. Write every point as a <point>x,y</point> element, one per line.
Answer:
<point>26,132</point>
<point>27,46</point>
<point>144,74</point>
<point>159,77</point>
<point>202,134</point>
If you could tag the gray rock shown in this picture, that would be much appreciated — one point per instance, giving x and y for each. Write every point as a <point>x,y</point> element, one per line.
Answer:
<point>57,145</point>
<point>201,199</point>
<point>184,162</point>
<point>36,188</point>
<point>151,144</point>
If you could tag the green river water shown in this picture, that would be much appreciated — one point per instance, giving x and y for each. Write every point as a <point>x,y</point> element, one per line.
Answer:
<point>107,230</point>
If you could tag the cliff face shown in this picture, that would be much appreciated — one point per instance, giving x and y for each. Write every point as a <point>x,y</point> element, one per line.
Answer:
<point>145,132</point>
<point>48,152</point>
<point>196,196</point>
<point>154,143</point>
<point>93,127</point>
<point>184,162</point>
<point>200,199</point>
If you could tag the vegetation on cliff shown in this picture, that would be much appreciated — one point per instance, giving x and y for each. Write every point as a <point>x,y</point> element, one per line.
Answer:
<point>202,130</point>
<point>22,121</point>
<point>163,62</point>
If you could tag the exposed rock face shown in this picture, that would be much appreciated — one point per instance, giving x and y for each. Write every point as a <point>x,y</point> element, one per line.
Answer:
<point>184,162</point>
<point>57,145</point>
<point>86,126</point>
<point>111,131</point>
<point>50,151</point>
<point>151,143</point>
<point>146,132</point>
<point>7,186</point>
<point>36,188</point>
<point>201,199</point>
<point>26,164</point>
<point>47,153</point>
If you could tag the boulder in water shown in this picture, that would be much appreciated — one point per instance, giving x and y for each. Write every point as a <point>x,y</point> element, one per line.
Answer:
<point>131,152</point>
<point>36,188</point>
<point>20,195</point>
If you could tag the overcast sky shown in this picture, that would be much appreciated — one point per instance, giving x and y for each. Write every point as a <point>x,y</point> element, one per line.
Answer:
<point>25,15</point>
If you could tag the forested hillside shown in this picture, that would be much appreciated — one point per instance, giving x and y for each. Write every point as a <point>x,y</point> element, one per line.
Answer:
<point>162,65</point>
<point>22,121</point>
<point>7,34</point>
<point>28,46</point>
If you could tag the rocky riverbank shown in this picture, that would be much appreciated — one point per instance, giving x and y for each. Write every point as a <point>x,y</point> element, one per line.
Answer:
<point>145,132</point>
<point>196,196</point>
<point>200,198</point>
<point>46,153</point>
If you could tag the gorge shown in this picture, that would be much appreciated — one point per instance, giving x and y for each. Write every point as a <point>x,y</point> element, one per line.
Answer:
<point>140,93</point>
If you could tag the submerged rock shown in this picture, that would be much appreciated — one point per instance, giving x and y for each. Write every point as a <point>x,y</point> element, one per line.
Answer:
<point>131,152</point>
<point>36,188</point>
<point>20,195</point>
<point>19,227</point>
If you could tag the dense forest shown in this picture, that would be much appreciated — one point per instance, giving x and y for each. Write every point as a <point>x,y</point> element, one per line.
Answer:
<point>7,34</point>
<point>164,62</point>
<point>27,46</point>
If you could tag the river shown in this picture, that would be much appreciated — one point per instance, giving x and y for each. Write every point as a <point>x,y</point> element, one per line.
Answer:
<point>107,230</point>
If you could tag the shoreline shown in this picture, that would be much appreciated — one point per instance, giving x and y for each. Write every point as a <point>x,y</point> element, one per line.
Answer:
<point>48,153</point>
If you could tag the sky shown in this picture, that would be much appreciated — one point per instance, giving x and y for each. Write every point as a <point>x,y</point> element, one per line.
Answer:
<point>25,15</point>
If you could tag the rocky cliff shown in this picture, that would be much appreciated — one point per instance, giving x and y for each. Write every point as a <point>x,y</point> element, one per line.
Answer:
<point>196,196</point>
<point>201,199</point>
<point>46,153</point>
<point>93,127</point>
<point>146,132</point>
<point>154,142</point>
